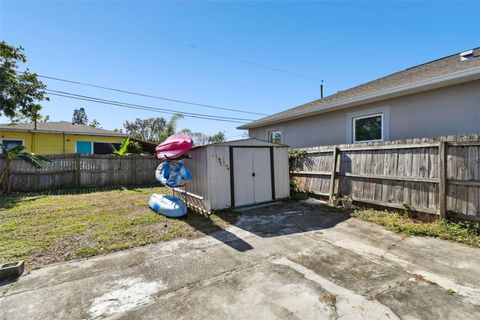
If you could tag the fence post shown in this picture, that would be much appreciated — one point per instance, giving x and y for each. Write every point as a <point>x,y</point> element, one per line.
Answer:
<point>333,175</point>
<point>134,169</point>
<point>442,176</point>
<point>77,170</point>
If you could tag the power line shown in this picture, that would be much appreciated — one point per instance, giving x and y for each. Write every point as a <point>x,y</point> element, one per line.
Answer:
<point>250,62</point>
<point>143,107</point>
<point>148,95</point>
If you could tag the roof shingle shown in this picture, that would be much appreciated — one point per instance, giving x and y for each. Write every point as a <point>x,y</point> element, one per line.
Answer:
<point>426,71</point>
<point>60,126</point>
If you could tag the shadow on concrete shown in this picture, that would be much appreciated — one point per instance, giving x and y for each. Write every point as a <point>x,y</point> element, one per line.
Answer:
<point>290,218</point>
<point>214,226</point>
<point>7,281</point>
<point>231,240</point>
<point>275,220</point>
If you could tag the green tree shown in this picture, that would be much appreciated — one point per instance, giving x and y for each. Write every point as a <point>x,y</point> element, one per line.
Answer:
<point>122,151</point>
<point>217,138</point>
<point>134,148</point>
<point>80,116</point>
<point>198,138</point>
<point>152,129</point>
<point>128,147</point>
<point>45,119</point>
<point>94,123</point>
<point>20,92</point>
<point>170,128</point>
<point>15,153</point>
<point>146,129</point>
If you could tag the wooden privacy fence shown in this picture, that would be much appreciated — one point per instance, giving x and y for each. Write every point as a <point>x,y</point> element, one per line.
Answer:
<point>79,170</point>
<point>426,175</point>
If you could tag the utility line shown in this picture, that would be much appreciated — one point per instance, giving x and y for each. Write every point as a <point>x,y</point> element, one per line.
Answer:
<point>148,95</point>
<point>142,107</point>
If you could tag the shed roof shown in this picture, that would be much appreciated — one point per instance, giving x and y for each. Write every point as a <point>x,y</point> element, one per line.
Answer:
<point>61,127</point>
<point>249,142</point>
<point>400,83</point>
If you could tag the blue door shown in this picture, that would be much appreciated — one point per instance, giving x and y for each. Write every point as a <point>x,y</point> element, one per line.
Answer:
<point>84,147</point>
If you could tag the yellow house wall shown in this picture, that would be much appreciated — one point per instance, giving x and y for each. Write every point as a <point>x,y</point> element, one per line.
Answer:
<point>25,136</point>
<point>47,143</point>
<point>53,143</point>
<point>71,140</point>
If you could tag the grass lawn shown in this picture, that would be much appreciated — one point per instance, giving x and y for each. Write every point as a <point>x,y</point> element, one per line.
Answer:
<point>43,228</point>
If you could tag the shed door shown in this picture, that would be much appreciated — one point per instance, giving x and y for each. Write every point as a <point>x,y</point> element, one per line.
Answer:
<point>251,175</point>
<point>262,181</point>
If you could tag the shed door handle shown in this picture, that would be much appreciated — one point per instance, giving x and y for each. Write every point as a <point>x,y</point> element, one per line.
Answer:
<point>253,174</point>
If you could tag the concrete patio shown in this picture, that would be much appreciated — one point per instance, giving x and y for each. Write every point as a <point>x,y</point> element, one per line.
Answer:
<point>286,261</point>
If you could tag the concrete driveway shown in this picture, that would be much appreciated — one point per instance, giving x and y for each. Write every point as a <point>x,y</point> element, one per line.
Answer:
<point>287,261</point>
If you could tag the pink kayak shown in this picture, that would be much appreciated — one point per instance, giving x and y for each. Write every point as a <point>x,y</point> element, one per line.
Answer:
<point>174,147</point>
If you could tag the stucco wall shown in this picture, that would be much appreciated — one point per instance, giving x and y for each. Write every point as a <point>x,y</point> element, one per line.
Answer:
<point>452,110</point>
<point>52,143</point>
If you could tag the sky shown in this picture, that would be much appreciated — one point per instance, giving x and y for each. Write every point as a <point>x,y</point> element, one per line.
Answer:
<point>197,51</point>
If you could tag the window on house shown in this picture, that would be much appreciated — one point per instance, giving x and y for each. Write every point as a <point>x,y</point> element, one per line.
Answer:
<point>10,143</point>
<point>275,136</point>
<point>104,147</point>
<point>88,147</point>
<point>84,147</point>
<point>368,128</point>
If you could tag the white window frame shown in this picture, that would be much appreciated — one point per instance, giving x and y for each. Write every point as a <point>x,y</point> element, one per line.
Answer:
<point>11,139</point>
<point>354,131</point>
<point>267,134</point>
<point>367,113</point>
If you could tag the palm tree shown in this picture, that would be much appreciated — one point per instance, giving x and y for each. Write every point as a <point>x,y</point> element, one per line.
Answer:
<point>170,128</point>
<point>17,153</point>
<point>198,138</point>
<point>122,151</point>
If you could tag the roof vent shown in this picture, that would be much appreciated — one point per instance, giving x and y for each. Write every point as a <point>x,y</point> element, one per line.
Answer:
<point>466,55</point>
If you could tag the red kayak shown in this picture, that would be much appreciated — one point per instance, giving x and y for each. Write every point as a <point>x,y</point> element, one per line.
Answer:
<point>174,147</point>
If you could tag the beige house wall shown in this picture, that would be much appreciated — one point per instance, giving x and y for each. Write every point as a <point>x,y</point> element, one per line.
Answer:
<point>453,110</point>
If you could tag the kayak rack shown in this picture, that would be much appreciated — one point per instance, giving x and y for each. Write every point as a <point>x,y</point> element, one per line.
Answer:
<point>193,195</point>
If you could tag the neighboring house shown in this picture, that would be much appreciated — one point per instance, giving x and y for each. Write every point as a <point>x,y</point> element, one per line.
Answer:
<point>441,97</point>
<point>60,137</point>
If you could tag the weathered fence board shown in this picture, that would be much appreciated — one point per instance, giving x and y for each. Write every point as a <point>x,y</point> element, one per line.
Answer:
<point>428,175</point>
<point>76,171</point>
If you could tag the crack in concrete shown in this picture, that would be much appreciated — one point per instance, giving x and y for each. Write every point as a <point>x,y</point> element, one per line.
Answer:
<point>393,286</point>
<point>386,257</point>
<point>348,300</point>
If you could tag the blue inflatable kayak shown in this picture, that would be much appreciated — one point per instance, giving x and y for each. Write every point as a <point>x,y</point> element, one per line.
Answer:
<point>172,173</point>
<point>167,205</point>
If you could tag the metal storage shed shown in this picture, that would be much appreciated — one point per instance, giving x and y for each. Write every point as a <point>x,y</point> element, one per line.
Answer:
<point>236,173</point>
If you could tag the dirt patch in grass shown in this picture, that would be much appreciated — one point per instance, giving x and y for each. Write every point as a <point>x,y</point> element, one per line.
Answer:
<point>466,233</point>
<point>47,228</point>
